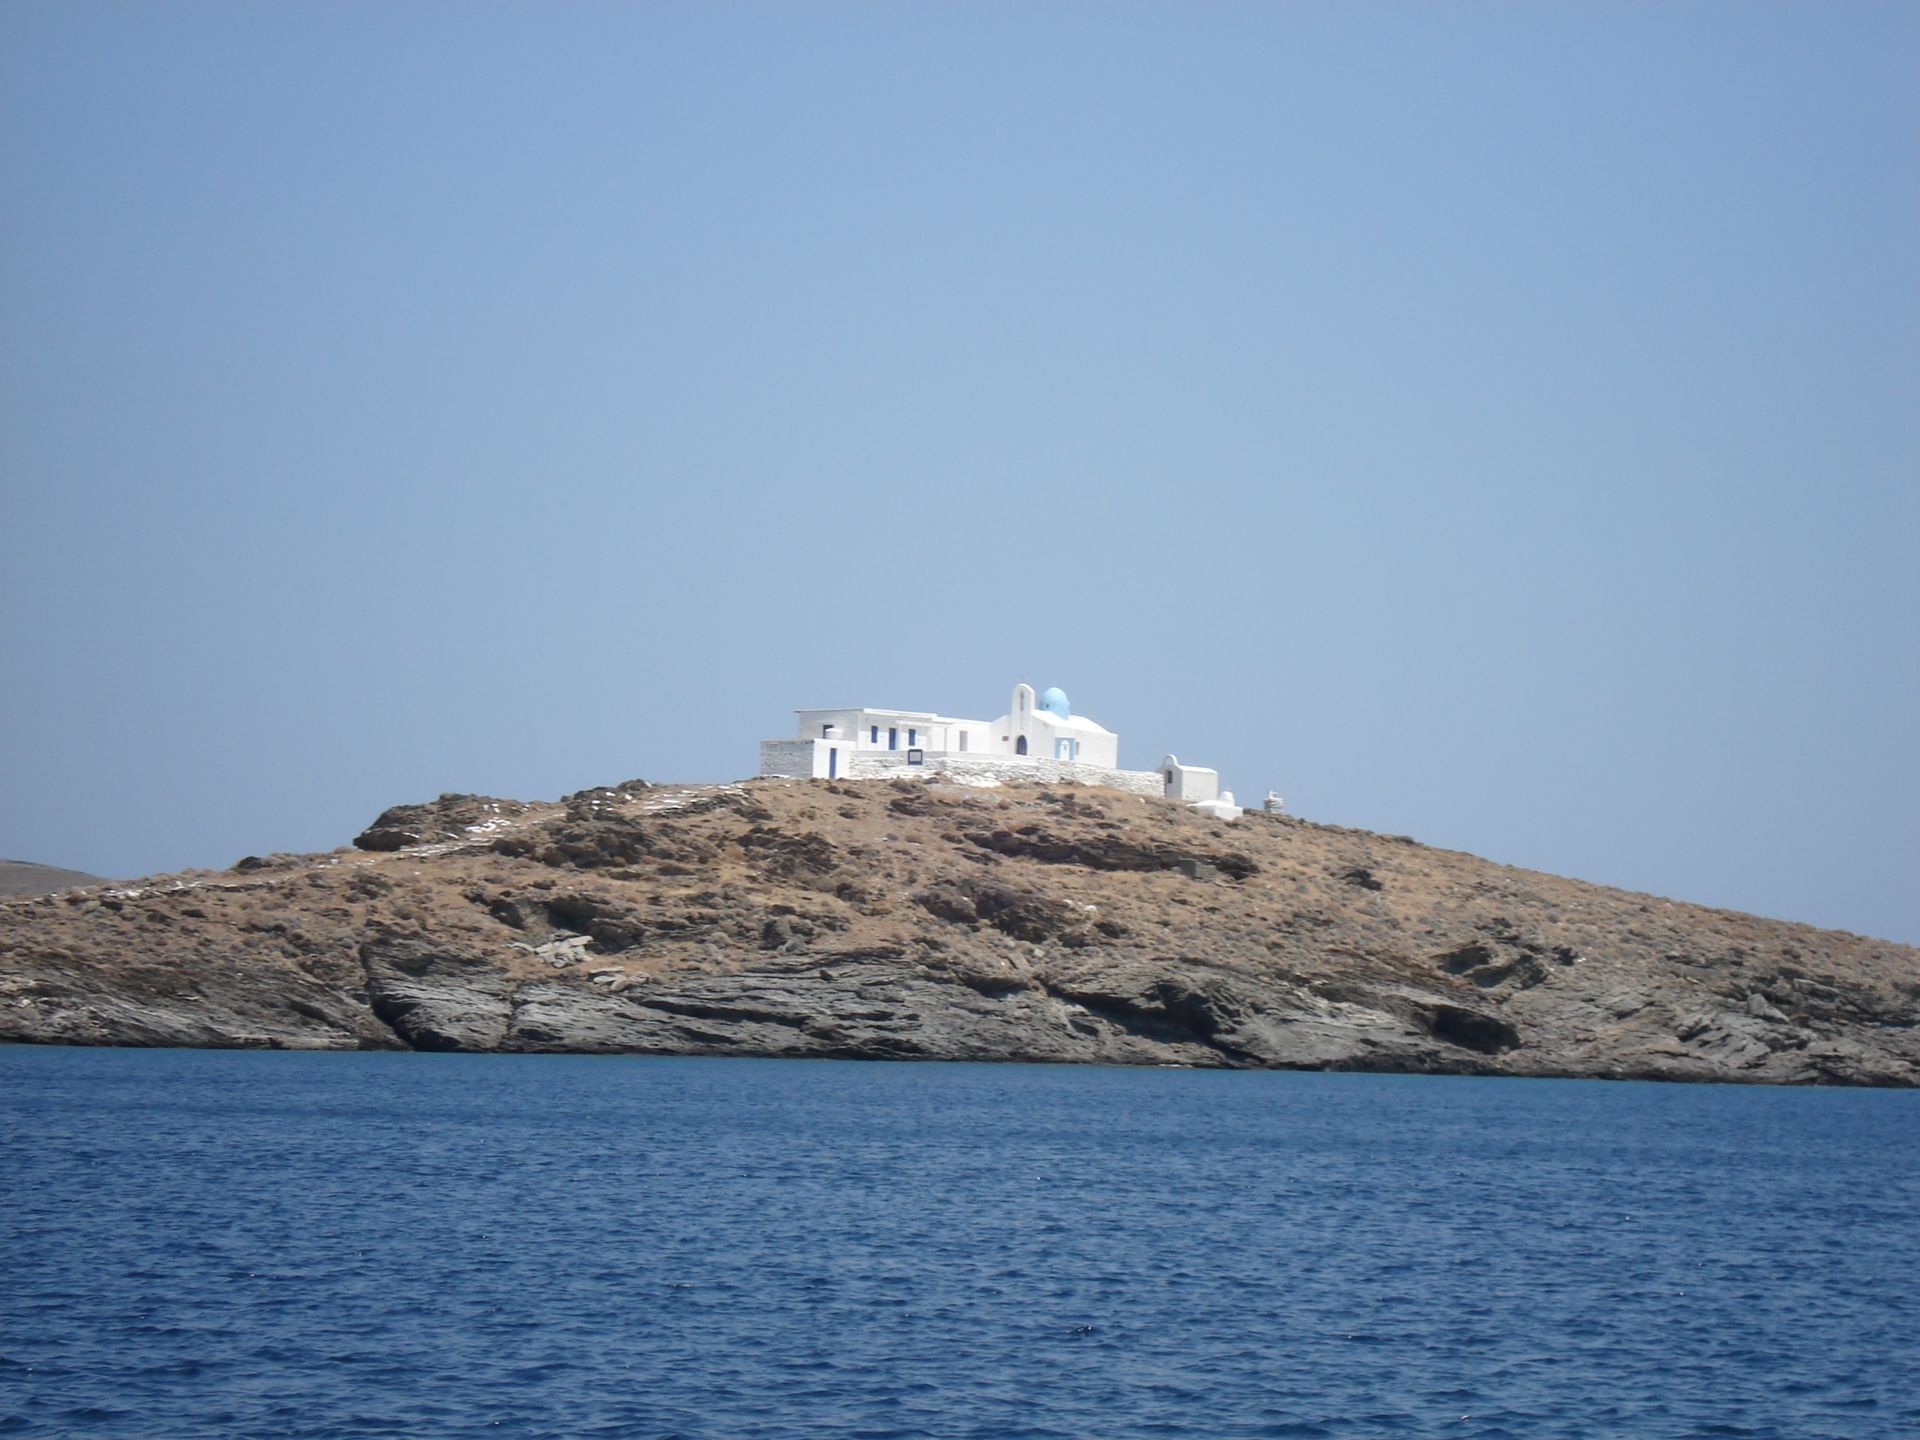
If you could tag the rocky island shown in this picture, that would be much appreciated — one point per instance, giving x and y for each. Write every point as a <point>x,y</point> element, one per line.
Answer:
<point>925,919</point>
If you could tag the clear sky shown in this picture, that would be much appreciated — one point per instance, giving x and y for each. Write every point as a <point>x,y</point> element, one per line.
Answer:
<point>1498,423</point>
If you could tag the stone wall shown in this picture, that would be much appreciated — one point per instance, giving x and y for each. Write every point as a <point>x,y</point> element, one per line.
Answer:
<point>872,765</point>
<point>807,760</point>
<point>792,759</point>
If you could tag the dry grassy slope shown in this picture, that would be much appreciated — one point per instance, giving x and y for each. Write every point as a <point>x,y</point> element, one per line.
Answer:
<point>912,919</point>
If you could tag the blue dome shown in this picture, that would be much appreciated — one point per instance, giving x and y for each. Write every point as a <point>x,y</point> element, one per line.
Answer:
<point>1054,700</point>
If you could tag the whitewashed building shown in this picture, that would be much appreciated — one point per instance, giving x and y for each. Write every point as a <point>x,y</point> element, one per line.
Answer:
<point>1039,738</point>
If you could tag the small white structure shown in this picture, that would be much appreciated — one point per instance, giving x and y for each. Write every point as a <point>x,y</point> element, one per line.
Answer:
<point>1221,807</point>
<point>1039,738</point>
<point>1194,783</point>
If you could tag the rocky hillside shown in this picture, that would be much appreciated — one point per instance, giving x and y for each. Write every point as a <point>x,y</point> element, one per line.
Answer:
<point>915,919</point>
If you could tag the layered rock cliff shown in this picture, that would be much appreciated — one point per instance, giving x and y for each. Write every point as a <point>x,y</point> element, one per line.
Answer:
<point>914,919</point>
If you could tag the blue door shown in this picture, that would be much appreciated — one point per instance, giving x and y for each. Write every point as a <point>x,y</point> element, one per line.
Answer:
<point>833,762</point>
<point>893,738</point>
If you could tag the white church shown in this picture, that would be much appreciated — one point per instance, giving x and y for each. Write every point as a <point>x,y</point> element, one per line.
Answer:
<point>1039,738</point>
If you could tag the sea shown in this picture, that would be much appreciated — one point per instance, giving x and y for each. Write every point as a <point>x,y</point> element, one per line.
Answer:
<point>221,1243</point>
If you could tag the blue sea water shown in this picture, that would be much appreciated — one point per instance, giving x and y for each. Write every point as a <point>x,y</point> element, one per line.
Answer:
<point>207,1244</point>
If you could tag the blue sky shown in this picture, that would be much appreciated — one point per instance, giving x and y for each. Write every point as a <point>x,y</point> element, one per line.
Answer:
<point>1494,423</point>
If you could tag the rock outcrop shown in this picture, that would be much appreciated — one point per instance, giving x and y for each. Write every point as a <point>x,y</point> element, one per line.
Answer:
<point>925,920</point>
<point>450,818</point>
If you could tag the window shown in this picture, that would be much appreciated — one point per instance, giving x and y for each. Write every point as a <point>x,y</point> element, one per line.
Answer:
<point>825,730</point>
<point>913,737</point>
<point>875,737</point>
<point>893,738</point>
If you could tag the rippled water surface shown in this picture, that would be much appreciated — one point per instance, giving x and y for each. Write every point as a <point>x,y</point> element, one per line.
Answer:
<point>208,1244</point>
